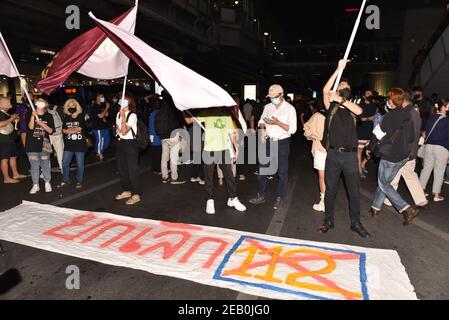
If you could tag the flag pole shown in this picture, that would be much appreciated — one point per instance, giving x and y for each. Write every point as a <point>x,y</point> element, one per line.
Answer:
<point>351,41</point>
<point>18,73</point>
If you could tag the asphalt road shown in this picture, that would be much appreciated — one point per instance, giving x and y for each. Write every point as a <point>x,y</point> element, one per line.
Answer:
<point>423,246</point>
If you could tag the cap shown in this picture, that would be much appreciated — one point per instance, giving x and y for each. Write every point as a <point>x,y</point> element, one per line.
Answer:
<point>274,91</point>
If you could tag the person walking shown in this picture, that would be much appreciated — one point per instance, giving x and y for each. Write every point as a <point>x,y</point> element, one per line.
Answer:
<point>100,127</point>
<point>436,154</point>
<point>396,133</point>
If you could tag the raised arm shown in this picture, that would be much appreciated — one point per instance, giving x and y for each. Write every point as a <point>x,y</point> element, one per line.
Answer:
<point>330,83</point>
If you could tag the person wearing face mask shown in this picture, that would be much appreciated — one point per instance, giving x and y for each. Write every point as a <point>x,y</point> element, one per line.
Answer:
<point>341,142</point>
<point>75,144</point>
<point>278,124</point>
<point>397,131</point>
<point>8,148</point>
<point>365,128</point>
<point>100,127</point>
<point>436,155</point>
<point>38,146</point>
<point>128,152</point>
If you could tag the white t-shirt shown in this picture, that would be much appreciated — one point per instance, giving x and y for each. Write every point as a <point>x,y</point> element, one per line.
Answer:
<point>132,122</point>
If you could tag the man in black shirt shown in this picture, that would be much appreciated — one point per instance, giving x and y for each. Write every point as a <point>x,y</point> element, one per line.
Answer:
<point>340,139</point>
<point>100,126</point>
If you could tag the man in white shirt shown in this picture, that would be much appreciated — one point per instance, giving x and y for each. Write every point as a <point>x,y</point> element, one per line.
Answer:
<point>278,124</point>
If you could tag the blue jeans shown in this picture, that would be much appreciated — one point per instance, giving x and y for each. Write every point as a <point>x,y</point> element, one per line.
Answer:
<point>101,140</point>
<point>67,160</point>
<point>39,160</point>
<point>387,173</point>
<point>282,161</point>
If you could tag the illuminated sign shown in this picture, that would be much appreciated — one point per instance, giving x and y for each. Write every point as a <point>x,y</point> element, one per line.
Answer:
<point>70,91</point>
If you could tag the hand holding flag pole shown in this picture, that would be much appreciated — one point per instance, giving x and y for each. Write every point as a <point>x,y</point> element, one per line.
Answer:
<point>351,41</point>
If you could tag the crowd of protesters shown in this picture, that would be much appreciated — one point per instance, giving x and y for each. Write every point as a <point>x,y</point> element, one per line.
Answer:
<point>400,133</point>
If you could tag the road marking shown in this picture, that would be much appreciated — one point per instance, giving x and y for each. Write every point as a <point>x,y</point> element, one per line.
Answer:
<point>91,190</point>
<point>418,222</point>
<point>276,225</point>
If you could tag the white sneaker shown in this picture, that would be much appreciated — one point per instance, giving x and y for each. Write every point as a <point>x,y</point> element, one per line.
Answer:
<point>235,203</point>
<point>242,177</point>
<point>48,187</point>
<point>35,189</point>
<point>210,207</point>
<point>193,180</point>
<point>319,207</point>
<point>201,182</point>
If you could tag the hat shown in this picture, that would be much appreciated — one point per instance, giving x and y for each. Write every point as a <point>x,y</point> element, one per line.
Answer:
<point>275,91</point>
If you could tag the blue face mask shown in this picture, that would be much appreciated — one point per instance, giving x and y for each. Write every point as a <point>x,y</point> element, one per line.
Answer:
<point>276,101</point>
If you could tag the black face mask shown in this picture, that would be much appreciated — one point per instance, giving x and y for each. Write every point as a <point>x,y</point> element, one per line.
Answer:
<point>345,93</point>
<point>72,110</point>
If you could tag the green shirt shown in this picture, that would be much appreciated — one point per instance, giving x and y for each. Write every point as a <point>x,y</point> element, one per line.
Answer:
<point>219,128</point>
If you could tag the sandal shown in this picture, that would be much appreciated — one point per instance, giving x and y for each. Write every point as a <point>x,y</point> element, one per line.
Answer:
<point>123,195</point>
<point>133,200</point>
<point>62,185</point>
<point>11,181</point>
<point>438,199</point>
<point>20,177</point>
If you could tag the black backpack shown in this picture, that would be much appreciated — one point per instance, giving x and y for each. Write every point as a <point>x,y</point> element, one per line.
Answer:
<point>141,136</point>
<point>162,123</point>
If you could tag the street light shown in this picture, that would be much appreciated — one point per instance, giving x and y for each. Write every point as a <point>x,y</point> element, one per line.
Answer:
<point>266,34</point>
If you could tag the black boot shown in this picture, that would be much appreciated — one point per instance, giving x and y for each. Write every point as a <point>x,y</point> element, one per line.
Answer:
<point>326,227</point>
<point>358,228</point>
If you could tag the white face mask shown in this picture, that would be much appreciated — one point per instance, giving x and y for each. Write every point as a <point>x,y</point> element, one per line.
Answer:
<point>40,104</point>
<point>102,99</point>
<point>123,103</point>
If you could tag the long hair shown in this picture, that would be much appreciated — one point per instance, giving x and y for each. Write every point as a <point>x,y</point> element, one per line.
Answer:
<point>397,96</point>
<point>131,103</point>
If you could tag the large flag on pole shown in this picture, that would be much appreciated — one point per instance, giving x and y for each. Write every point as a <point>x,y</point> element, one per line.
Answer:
<point>7,66</point>
<point>188,89</point>
<point>91,54</point>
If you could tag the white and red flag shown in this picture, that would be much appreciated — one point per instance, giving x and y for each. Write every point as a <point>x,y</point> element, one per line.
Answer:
<point>91,54</point>
<point>7,65</point>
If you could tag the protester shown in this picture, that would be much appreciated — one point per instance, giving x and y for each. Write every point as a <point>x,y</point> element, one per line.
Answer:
<point>127,154</point>
<point>220,147</point>
<point>196,149</point>
<point>155,140</point>
<point>56,138</point>
<point>248,111</point>
<point>436,154</point>
<point>167,121</point>
<point>100,128</point>
<point>278,124</point>
<point>396,134</point>
<point>8,148</point>
<point>365,129</point>
<point>423,104</point>
<point>340,141</point>
<point>38,146</point>
<point>22,110</point>
<point>314,130</point>
<point>75,144</point>
<point>408,172</point>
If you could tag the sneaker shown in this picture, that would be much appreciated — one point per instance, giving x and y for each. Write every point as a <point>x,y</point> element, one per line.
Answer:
<point>270,177</point>
<point>278,204</point>
<point>256,173</point>
<point>193,180</point>
<point>201,182</point>
<point>165,180</point>
<point>48,187</point>
<point>210,207</point>
<point>176,182</point>
<point>258,200</point>
<point>242,177</point>
<point>319,206</point>
<point>236,204</point>
<point>35,189</point>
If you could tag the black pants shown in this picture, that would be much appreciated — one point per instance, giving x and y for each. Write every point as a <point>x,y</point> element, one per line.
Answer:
<point>348,164</point>
<point>197,168</point>
<point>156,156</point>
<point>281,161</point>
<point>209,173</point>
<point>128,166</point>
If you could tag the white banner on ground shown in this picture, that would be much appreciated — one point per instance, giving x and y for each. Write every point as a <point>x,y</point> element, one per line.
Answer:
<point>255,264</point>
